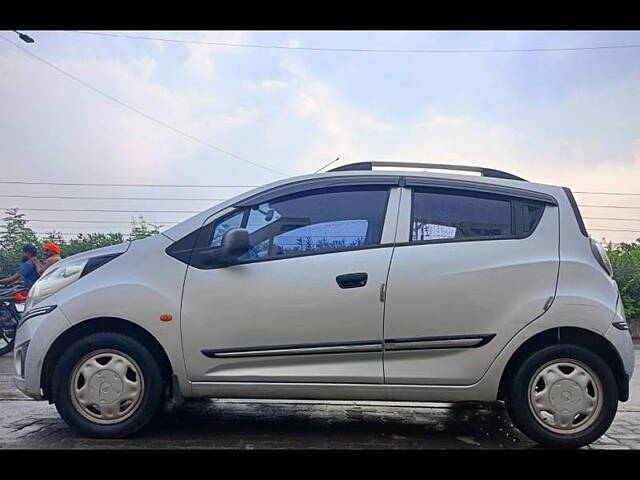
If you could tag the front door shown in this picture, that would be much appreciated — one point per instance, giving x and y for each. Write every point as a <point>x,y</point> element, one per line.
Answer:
<point>304,304</point>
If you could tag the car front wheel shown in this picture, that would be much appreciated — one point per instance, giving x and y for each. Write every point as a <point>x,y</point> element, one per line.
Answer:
<point>107,385</point>
<point>563,396</point>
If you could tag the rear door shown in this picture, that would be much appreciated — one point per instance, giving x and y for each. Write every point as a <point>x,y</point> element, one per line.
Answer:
<point>471,268</point>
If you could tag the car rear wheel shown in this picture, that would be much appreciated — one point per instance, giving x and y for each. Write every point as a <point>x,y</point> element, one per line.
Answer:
<point>107,385</point>
<point>563,396</point>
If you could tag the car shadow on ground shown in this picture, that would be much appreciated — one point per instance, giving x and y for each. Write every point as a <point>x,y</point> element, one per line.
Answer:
<point>224,424</point>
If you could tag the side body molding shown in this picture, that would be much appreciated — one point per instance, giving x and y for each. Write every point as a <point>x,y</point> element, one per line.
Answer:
<point>422,343</point>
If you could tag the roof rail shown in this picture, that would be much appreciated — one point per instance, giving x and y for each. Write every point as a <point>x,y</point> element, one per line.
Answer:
<point>485,172</point>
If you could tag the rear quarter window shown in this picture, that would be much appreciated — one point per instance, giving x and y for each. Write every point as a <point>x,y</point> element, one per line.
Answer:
<point>531,213</point>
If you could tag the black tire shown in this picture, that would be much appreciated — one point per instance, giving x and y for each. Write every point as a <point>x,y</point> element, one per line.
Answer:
<point>7,346</point>
<point>518,406</point>
<point>148,405</point>
<point>8,324</point>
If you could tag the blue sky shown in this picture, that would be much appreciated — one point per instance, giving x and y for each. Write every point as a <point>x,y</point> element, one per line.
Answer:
<point>568,118</point>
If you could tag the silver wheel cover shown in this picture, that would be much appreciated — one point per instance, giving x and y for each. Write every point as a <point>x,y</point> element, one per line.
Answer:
<point>106,386</point>
<point>565,396</point>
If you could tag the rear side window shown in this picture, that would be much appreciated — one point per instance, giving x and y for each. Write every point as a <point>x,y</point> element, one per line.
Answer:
<point>451,216</point>
<point>441,215</point>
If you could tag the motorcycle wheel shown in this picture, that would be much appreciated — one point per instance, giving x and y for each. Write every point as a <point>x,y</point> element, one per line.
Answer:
<point>8,325</point>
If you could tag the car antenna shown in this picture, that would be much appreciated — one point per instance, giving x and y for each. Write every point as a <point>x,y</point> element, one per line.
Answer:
<point>325,166</point>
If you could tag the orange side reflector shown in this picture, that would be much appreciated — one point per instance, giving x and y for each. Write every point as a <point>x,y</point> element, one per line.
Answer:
<point>165,317</point>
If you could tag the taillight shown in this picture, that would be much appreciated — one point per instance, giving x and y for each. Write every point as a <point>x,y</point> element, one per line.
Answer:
<point>20,295</point>
<point>601,256</point>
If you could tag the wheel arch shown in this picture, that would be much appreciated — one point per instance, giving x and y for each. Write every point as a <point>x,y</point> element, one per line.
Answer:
<point>103,324</point>
<point>572,335</point>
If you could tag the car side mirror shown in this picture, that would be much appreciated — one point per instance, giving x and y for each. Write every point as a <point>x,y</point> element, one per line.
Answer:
<point>235,243</point>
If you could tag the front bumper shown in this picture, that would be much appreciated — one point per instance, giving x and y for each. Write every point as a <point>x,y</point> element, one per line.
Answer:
<point>33,340</point>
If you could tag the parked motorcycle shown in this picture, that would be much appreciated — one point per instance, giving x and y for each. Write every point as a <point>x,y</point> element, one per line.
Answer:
<point>11,307</point>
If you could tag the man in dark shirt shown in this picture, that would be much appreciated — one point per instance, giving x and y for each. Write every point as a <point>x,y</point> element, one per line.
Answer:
<point>27,271</point>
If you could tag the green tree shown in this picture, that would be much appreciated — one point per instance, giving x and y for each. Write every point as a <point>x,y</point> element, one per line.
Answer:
<point>625,260</point>
<point>88,241</point>
<point>13,235</point>
<point>54,237</point>
<point>141,229</point>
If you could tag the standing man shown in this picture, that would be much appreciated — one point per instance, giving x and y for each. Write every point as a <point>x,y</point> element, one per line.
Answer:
<point>51,256</point>
<point>27,271</point>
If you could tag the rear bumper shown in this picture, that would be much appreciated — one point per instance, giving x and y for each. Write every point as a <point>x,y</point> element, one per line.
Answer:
<point>621,340</point>
<point>624,389</point>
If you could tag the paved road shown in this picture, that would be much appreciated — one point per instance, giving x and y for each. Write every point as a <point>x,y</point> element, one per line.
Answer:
<point>248,424</point>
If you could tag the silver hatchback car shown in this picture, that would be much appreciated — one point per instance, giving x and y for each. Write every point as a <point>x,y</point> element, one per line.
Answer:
<point>373,281</point>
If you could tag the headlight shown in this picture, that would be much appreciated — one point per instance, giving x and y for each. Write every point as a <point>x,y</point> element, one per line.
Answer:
<point>601,256</point>
<point>60,275</point>
<point>54,280</point>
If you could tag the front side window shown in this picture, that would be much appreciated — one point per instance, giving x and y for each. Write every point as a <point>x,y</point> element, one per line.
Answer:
<point>234,221</point>
<point>311,222</point>
<point>446,215</point>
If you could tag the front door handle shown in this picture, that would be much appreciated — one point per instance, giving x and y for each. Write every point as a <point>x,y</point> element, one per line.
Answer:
<point>352,280</point>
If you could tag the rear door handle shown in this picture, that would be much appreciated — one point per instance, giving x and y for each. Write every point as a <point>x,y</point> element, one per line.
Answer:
<point>352,280</point>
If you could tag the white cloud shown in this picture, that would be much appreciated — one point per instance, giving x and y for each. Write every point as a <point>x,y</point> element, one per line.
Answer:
<point>581,141</point>
<point>315,119</point>
<point>59,126</point>
<point>291,119</point>
<point>201,59</point>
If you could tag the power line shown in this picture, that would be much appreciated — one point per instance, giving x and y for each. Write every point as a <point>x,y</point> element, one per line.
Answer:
<point>163,222</point>
<point>193,185</point>
<point>74,233</point>
<point>66,197</point>
<point>116,222</point>
<point>19,182</point>
<point>87,233</point>
<point>609,193</point>
<point>598,228</point>
<point>56,221</point>
<point>608,206</point>
<point>126,232</point>
<point>189,185</point>
<point>613,230</point>
<point>357,50</point>
<point>198,211</point>
<point>139,112</point>
<point>100,210</point>
<point>610,218</point>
